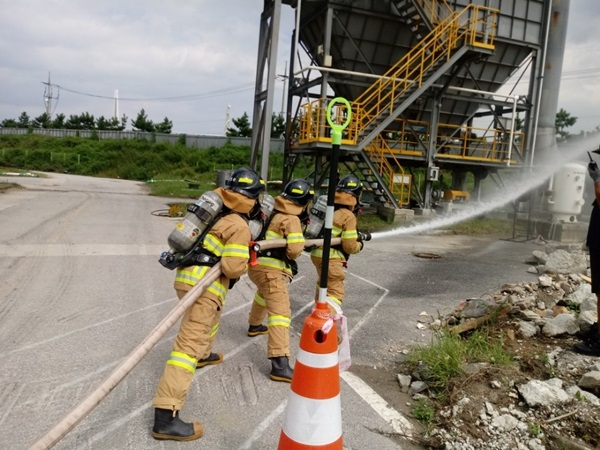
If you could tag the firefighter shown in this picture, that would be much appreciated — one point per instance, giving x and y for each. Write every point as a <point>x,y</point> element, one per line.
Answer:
<point>273,272</point>
<point>346,205</point>
<point>227,241</point>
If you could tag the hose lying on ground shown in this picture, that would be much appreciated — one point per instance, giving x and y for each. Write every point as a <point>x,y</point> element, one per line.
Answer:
<point>85,407</point>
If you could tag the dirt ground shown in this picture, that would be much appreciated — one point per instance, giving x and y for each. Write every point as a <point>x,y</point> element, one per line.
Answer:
<point>568,426</point>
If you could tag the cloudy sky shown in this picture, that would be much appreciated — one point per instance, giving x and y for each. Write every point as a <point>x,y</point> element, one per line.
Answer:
<point>192,61</point>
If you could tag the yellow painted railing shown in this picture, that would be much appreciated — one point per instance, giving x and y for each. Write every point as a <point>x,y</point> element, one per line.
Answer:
<point>398,182</point>
<point>313,125</point>
<point>479,144</point>
<point>474,26</point>
<point>438,10</point>
<point>411,138</point>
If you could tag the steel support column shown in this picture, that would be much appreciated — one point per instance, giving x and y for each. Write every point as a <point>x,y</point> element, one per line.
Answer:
<point>264,85</point>
<point>431,148</point>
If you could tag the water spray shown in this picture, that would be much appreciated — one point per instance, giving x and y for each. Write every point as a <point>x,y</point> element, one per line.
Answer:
<point>530,180</point>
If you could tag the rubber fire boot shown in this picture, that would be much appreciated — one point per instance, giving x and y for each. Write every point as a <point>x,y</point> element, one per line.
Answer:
<point>589,336</point>
<point>280,369</point>
<point>211,360</point>
<point>255,330</point>
<point>168,426</point>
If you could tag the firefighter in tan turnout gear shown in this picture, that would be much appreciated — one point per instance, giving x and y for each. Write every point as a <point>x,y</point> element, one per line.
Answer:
<point>226,241</point>
<point>273,272</point>
<point>347,196</point>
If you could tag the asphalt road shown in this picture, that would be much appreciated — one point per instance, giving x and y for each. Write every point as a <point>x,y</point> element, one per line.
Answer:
<point>81,287</point>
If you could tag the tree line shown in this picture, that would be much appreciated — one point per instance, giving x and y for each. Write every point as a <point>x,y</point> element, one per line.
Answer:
<point>87,121</point>
<point>241,126</point>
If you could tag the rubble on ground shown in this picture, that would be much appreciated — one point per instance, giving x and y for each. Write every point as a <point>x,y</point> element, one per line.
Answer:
<point>551,400</point>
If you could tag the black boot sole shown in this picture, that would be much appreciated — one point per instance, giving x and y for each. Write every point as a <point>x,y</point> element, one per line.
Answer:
<point>168,437</point>
<point>214,362</point>
<point>278,378</point>
<point>257,333</point>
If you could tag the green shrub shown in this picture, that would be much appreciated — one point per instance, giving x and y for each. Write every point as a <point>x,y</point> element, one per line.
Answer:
<point>423,410</point>
<point>444,359</point>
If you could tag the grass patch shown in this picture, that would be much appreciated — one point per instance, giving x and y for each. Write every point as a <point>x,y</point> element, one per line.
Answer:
<point>424,411</point>
<point>372,223</point>
<point>444,360</point>
<point>182,188</point>
<point>481,226</point>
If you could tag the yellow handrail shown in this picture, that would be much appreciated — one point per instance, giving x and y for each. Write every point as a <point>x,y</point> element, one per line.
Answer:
<point>434,8</point>
<point>380,148</point>
<point>474,26</point>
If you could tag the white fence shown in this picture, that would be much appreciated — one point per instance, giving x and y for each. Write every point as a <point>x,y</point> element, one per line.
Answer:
<point>194,141</point>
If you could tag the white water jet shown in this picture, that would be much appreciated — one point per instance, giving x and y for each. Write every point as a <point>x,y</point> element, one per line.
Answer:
<point>530,178</point>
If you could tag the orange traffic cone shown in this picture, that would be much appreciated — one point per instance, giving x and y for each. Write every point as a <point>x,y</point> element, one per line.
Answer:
<point>313,417</point>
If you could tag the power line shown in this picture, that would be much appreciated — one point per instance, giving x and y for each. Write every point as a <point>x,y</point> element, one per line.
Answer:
<point>216,93</point>
<point>568,75</point>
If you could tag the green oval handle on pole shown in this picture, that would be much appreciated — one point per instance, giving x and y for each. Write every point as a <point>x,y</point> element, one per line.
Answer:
<point>336,135</point>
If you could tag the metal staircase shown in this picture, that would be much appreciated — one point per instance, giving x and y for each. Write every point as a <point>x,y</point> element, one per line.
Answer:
<point>422,15</point>
<point>453,35</point>
<point>385,179</point>
<point>470,30</point>
<point>372,179</point>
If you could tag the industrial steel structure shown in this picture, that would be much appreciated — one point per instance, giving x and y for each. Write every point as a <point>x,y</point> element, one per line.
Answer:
<point>426,83</point>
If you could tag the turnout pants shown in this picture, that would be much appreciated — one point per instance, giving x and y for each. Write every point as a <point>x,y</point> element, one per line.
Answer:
<point>194,341</point>
<point>335,282</point>
<point>272,299</point>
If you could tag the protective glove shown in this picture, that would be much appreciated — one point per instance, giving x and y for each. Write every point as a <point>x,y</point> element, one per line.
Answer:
<point>364,236</point>
<point>232,282</point>
<point>294,267</point>
<point>594,171</point>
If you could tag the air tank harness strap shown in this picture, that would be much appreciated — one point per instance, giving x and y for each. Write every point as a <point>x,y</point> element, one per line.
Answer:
<point>254,247</point>
<point>199,257</point>
<point>276,253</point>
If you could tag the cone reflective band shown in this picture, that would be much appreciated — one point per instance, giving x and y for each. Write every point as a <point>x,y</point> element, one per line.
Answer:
<point>314,413</point>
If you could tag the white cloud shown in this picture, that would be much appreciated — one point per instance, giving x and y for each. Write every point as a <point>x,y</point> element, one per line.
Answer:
<point>163,49</point>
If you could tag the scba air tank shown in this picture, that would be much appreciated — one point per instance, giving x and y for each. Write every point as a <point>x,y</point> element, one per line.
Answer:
<point>199,216</point>
<point>316,218</point>
<point>267,205</point>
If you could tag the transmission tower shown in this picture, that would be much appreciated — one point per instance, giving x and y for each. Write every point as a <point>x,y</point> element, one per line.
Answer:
<point>48,97</point>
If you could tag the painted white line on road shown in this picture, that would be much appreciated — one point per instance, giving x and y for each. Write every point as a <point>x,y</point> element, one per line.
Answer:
<point>99,437</point>
<point>263,426</point>
<point>89,327</point>
<point>361,322</point>
<point>104,322</point>
<point>397,421</point>
<point>60,250</point>
<point>205,370</point>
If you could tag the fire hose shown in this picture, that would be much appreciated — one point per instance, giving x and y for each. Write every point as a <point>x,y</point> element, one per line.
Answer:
<point>52,437</point>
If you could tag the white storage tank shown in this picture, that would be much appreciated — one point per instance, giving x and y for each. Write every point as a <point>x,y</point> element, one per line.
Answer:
<point>567,193</point>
